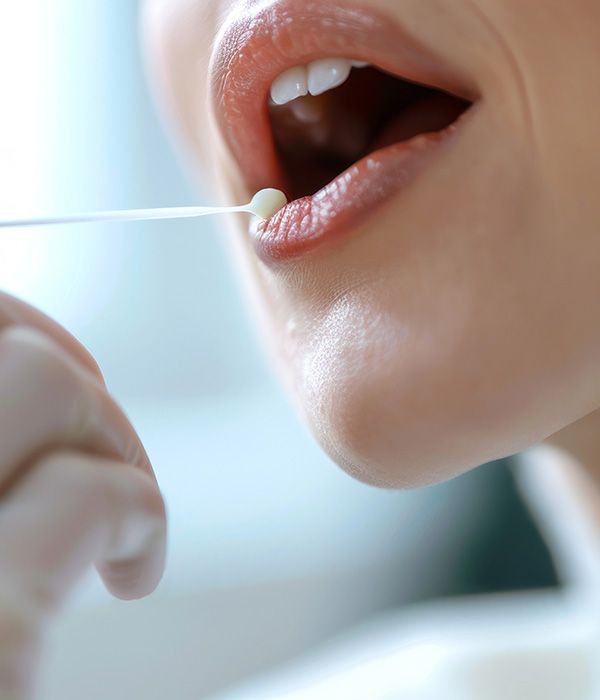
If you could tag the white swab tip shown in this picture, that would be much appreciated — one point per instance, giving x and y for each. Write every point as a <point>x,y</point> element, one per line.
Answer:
<point>267,203</point>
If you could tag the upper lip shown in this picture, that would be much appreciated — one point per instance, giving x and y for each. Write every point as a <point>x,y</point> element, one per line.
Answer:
<point>254,47</point>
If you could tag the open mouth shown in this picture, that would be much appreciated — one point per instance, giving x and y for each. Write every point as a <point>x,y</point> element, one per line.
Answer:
<point>339,134</point>
<point>329,115</point>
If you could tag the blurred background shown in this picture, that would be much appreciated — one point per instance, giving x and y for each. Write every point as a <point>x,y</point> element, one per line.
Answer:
<point>272,549</point>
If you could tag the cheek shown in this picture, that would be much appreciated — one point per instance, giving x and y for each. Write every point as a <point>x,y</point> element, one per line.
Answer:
<point>178,36</point>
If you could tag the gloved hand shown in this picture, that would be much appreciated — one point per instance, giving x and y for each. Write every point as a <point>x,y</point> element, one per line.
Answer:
<point>76,487</point>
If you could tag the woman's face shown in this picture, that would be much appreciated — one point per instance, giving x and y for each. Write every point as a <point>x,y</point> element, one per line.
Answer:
<point>435,304</point>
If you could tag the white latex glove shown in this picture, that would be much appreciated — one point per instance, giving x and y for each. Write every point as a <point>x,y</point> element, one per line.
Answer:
<point>76,487</point>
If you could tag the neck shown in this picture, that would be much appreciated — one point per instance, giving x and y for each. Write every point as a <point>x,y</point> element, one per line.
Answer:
<point>582,440</point>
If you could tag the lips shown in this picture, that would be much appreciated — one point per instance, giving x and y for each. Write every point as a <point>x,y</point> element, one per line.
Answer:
<point>257,46</point>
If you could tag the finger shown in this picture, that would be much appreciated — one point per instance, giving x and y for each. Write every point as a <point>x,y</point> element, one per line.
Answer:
<point>16,312</point>
<point>19,649</point>
<point>48,400</point>
<point>71,509</point>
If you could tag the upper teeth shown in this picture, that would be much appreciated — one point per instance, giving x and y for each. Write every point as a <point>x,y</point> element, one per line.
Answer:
<point>316,78</point>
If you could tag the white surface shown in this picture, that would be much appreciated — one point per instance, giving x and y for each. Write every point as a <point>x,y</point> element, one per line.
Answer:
<point>521,647</point>
<point>539,646</point>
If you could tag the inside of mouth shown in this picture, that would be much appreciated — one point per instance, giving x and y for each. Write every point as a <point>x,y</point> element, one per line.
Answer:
<point>318,138</point>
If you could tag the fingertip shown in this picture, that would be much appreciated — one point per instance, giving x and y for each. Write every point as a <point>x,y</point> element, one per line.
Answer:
<point>138,577</point>
<point>133,562</point>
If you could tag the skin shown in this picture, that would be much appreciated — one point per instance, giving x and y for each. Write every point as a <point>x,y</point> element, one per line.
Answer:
<point>441,336</point>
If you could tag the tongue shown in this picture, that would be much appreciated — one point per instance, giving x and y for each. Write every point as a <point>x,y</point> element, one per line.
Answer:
<point>432,114</point>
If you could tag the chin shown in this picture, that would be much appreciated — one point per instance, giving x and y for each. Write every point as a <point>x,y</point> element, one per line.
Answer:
<point>385,451</point>
<point>392,416</point>
<point>388,432</point>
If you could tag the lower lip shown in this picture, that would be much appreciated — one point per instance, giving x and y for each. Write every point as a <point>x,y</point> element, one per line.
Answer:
<point>337,211</point>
